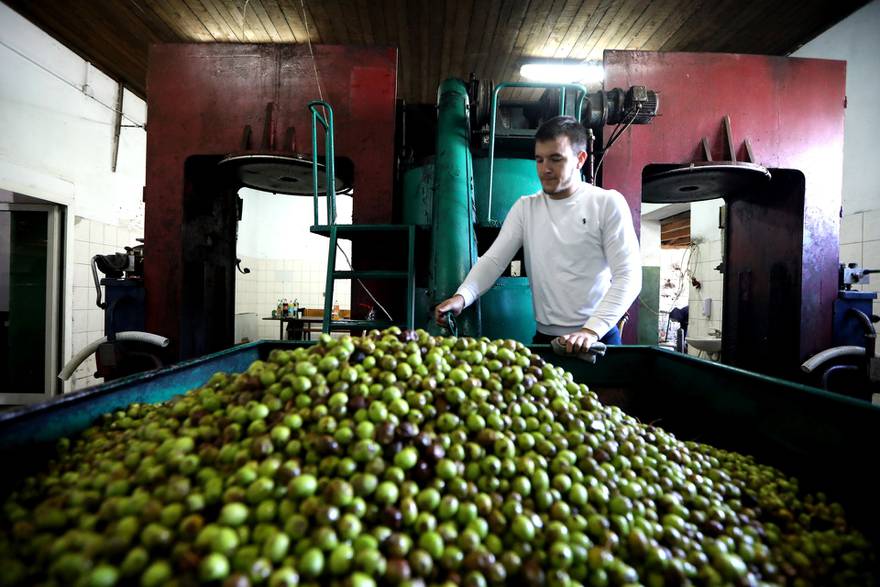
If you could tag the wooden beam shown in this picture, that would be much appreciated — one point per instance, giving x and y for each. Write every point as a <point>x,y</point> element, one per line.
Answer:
<point>567,28</point>
<point>486,45</point>
<point>261,12</point>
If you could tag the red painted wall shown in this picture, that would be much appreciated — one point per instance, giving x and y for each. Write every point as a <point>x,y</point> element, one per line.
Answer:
<point>793,112</point>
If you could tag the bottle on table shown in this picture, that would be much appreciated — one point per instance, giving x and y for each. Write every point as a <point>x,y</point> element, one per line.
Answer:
<point>285,308</point>
<point>335,314</point>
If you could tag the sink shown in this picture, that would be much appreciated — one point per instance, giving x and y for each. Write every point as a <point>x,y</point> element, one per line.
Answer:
<point>708,344</point>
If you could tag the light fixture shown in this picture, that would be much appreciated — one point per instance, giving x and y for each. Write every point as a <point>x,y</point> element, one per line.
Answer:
<point>563,71</point>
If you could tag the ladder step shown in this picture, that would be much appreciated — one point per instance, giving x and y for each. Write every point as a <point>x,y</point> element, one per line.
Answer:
<point>347,231</point>
<point>370,274</point>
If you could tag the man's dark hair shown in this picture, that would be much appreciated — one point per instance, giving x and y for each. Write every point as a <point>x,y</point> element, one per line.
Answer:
<point>564,125</point>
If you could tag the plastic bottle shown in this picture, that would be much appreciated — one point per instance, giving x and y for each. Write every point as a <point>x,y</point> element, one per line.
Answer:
<point>285,308</point>
<point>280,308</point>
<point>335,314</point>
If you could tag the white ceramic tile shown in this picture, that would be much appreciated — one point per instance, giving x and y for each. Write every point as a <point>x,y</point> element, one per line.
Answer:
<point>95,320</point>
<point>96,232</point>
<point>79,341</point>
<point>97,249</point>
<point>81,229</point>
<point>851,229</point>
<point>81,252</point>
<point>83,298</point>
<point>81,275</point>
<point>851,253</point>
<point>871,225</point>
<point>871,256</point>
<point>79,322</point>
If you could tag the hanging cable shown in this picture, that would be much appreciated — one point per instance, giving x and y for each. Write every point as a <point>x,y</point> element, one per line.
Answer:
<point>134,124</point>
<point>311,51</point>
<point>321,96</point>
<point>244,16</point>
<point>616,134</point>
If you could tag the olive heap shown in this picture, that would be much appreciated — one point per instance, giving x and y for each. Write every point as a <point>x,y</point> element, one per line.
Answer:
<point>400,458</point>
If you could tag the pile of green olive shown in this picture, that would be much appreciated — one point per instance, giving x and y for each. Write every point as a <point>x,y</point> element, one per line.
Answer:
<point>399,458</point>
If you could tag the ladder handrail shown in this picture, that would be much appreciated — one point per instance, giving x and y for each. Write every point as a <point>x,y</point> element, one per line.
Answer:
<point>581,96</point>
<point>329,156</point>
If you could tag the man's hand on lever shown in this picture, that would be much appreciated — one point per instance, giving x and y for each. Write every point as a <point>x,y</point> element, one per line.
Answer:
<point>455,304</point>
<point>579,341</point>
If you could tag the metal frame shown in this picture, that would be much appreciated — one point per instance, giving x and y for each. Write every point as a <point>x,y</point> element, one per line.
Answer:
<point>493,113</point>
<point>53,303</point>
<point>329,156</point>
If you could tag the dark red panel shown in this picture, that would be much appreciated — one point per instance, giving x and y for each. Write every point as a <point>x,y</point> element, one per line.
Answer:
<point>793,112</point>
<point>201,96</point>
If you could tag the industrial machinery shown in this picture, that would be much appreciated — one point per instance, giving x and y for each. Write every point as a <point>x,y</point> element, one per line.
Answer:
<point>242,121</point>
<point>484,161</point>
<point>225,116</point>
<point>455,185</point>
<point>850,366</point>
<point>781,234</point>
<point>125,348</point>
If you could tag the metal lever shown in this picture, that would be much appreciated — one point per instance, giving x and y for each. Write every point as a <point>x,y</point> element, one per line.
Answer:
<point>98,301</point>
<point>597,349</point>
<point>450,323</point>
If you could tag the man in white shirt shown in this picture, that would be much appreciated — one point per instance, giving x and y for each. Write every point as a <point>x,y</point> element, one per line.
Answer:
<point>581,252</point>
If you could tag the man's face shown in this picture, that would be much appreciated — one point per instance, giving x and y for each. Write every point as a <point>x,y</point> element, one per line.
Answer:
<point>558,165</point>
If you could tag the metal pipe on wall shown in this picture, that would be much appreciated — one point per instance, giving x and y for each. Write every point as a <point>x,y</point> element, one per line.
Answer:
<point>453,241</point>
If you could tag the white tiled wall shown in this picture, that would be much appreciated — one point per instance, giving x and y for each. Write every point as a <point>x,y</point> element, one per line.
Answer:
<point>91,238</point>
<point>674,289</point>
<point>286,260</point>
<point>294,279</point>
<point>860,243</point>
<point>707,254</point>
<point>705,258</point>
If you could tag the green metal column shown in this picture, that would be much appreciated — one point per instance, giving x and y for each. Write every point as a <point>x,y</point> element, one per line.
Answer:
<point>453,242</point>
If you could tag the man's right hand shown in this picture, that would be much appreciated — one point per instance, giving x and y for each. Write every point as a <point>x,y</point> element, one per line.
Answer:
<point>455,304</point>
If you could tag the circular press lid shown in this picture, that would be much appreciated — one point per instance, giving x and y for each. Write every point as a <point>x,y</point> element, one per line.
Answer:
<point>696,182</point>
<point>279,174</point>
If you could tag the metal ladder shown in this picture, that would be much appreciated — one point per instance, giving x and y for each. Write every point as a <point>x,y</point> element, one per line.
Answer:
<point>351,232</point>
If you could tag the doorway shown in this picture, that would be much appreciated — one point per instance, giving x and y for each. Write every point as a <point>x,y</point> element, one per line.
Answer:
<point>30,300</point>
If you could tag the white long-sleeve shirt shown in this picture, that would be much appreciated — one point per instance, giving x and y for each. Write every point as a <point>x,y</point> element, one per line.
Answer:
<point>581,254</point>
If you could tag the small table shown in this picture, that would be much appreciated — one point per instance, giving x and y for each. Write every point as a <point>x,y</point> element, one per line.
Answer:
<point>302,325</point>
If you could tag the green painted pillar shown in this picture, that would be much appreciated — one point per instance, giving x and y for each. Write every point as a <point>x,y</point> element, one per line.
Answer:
<point>453,242</point>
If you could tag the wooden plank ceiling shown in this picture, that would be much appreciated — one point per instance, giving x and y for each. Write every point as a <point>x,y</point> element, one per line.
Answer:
<point>436,38</point>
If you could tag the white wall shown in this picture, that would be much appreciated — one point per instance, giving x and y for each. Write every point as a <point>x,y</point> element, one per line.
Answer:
<point>56,145</point>
<point>649,241</point>
<point>285,259</point>
<point>707,254</point>
<point>856,40</point>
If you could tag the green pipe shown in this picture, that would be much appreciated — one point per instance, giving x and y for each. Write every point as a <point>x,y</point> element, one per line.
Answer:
<point>453,242</point>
